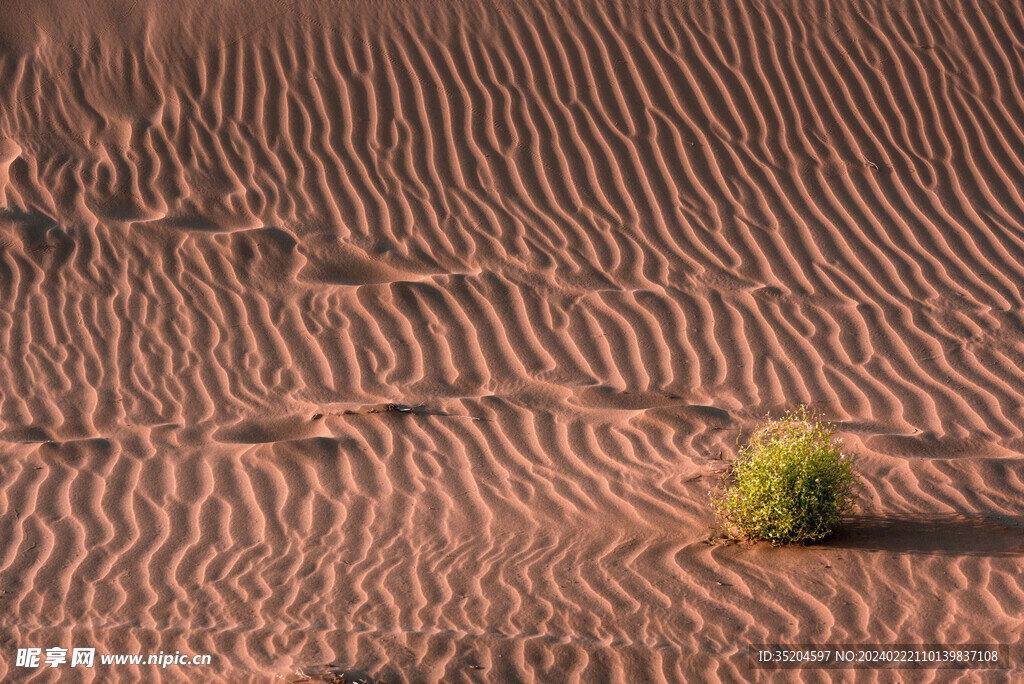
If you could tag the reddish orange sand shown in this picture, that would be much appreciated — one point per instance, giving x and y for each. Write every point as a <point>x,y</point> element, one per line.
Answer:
<point>591,244</point>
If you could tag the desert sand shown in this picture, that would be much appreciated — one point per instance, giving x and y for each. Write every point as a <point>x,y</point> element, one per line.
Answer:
<point>409,338</point>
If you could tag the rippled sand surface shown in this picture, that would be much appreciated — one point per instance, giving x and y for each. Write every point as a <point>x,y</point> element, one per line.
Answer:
<point>409,338</point>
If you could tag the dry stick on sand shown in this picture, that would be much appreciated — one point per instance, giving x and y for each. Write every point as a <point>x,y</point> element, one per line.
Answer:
<point>397,408</point>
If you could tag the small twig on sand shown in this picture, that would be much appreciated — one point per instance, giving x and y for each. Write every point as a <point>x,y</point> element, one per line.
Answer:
<point>397,408</point>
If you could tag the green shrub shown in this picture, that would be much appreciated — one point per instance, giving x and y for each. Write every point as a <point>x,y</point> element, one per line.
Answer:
<point>793,483</point>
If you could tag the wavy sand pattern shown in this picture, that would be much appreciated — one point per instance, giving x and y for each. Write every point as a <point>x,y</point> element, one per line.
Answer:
<point>406,337</point>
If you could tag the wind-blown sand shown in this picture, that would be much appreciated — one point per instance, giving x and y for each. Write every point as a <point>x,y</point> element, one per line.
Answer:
<point>589,246</point>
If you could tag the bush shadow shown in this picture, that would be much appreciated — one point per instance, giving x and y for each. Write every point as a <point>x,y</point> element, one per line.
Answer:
<point>958,535</point>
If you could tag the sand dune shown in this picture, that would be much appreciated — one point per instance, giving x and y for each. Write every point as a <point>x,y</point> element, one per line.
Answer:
<point>408,338</point>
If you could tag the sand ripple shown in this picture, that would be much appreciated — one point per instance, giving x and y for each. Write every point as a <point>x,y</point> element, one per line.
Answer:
<point>407,337</point>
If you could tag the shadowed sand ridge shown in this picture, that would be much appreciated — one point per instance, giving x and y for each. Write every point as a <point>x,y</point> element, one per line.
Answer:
<point>407,337</point>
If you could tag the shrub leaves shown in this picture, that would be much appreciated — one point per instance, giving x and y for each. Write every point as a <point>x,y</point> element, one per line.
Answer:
<point>793,482</point>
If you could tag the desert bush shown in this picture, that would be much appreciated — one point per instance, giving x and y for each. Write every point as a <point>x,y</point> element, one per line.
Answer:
<point>793,483</point>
